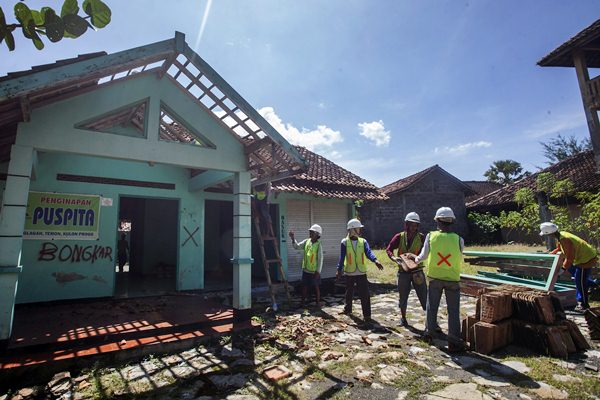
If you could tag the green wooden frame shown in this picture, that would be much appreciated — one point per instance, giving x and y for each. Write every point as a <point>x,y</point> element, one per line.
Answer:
<point>548,285</point>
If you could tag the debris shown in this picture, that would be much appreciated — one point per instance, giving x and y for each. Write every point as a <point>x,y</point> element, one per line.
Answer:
<point>331,355</point>
<point>277,372</point>
<point>366,340</point>
<point>591,367</point>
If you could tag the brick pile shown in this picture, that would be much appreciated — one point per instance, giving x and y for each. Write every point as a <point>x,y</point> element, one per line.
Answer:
<point>592,317</point>
<point>526,317</point>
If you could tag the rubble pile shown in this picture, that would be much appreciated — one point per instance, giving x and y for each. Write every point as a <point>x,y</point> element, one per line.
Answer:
<point>523,316</point>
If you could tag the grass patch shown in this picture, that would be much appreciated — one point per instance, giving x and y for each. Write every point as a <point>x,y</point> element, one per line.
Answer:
<point>543,369</point>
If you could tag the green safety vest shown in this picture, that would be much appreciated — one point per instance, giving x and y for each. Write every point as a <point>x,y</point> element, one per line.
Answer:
<point>415,246</point>
<point>355,259</point>
<point>445,258</point>
<point>584,252</point>
<point>260,195</point>
<point>311,255</point>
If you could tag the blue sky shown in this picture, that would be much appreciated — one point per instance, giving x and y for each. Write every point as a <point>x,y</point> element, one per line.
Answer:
<point>382,88</point>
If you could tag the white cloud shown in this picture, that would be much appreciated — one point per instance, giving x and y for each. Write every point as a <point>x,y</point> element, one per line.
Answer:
<point>461,149</point>
<point>375,131</point>
<point>313,139</point>
<point>555,124</point>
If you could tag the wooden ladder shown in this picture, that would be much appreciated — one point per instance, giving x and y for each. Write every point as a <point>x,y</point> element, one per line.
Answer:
<point>262,239</point>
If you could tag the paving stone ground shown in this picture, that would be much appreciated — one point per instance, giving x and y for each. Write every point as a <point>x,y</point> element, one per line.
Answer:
<point>332,355</point>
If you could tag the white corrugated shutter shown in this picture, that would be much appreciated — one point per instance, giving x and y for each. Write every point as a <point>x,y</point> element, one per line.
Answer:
<point>332,217</point>
<point>298,220</point>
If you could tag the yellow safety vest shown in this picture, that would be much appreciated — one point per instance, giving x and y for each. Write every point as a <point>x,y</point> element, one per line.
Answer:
<point>415,246</point>
<point>445,258</point>
<point>311,255</point>
<point>260,195</point>
<point>355,259</point>
<point>584,252</point>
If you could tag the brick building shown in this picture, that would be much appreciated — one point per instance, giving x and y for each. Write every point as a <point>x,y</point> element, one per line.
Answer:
<point>423,192</point>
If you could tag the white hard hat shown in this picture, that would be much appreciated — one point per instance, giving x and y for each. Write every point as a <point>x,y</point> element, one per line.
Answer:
<point>547,228</point>
<point>444,214</point>
<point>412,217</point>
<point>354,223</point>
<point>316,228</point>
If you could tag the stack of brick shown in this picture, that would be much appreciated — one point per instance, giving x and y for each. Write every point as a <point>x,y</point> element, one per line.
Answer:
<point>526,317</point>
<point>592,317</point>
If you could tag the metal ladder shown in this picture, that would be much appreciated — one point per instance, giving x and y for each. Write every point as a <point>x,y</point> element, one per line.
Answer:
<point>262,239</point>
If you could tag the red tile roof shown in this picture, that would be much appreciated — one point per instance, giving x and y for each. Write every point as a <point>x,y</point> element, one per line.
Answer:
<point>405,183</point>
<point>481,188</point>
<point>580,169</point>
<point>324,178</point>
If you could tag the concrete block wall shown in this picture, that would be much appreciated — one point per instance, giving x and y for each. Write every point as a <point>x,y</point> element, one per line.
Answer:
<point>382,219</point>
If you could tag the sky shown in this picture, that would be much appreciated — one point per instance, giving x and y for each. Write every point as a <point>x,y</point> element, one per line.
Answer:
<point>383,88</point>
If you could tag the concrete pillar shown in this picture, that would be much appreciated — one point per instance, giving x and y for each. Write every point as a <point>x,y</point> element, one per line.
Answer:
<point>12,221</point>
<point>242,245</point>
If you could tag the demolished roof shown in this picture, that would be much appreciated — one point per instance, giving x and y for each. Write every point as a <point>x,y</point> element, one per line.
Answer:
<point>580,169</point>
<point>269,155</point>
<point>324,178</point>
<point>409,181</point>
<point>588,41</point>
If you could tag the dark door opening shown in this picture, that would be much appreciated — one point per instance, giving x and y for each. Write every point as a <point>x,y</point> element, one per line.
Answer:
<point>218,245</point>
<point>151,265</point>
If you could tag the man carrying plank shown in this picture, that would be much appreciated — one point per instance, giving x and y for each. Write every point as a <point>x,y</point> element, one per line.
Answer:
<point>410,240</point>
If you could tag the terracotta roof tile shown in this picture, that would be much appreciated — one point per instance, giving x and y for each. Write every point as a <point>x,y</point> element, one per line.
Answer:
<point>580,169</point>
<point>324,178</point>
<point>481,188</point>
<point>405,183</point>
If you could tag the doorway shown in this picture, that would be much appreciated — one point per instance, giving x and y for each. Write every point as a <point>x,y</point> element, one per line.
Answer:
<point>149,228</point>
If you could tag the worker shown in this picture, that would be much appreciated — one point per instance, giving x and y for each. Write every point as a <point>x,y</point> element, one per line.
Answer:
<point>262,198</point>
<point>579,259</point>
<point>352,264</point>
<point>410,240</point>
<point>312,263</point>
<point>443,251</point>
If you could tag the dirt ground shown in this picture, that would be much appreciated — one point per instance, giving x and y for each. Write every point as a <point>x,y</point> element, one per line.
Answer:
<point>311,353</point>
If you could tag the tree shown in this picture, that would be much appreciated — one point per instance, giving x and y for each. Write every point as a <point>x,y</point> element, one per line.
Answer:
<point>45,22</point>
<point>560,147</point>
<point>505,172</point>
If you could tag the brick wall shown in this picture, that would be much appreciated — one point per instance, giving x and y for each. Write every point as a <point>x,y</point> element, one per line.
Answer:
<point>382,219</point>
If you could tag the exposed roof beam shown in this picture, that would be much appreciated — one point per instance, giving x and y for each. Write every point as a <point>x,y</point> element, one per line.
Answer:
<point>135,57</point>
<point>208,179</point>
<point>257,144</point>
<point>239,101</point>
<point>25,108</point>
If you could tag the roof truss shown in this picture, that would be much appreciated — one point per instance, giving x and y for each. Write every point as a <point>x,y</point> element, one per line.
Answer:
<point>270,156</point>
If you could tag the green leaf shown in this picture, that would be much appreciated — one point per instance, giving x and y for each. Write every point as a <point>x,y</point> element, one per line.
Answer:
<point>37,17</point>
<point>99,12</point>
<point>69,7</point>
<point>10,40</point>
<point>35,38</point>
<point>55,27</point>
<point>3,28</point>
<point>75,25</point>
<point>23,14</point>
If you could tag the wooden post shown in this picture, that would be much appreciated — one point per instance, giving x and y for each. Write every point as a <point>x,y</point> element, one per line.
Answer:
<point>591,115</point>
